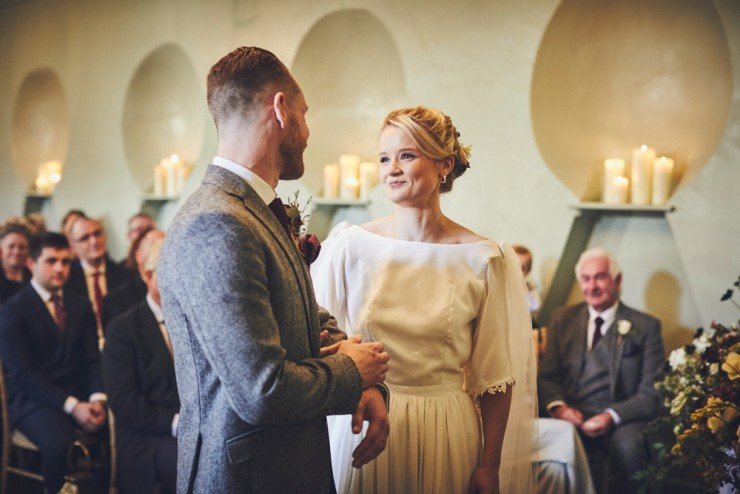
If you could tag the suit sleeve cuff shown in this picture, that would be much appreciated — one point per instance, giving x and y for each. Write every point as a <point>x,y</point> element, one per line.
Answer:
<point>553,404</point>
<point>175,422</point>
<point>615,416</point>
<point>69,404</point>
<point>98,397</point>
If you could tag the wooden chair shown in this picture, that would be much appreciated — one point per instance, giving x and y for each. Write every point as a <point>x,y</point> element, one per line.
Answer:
<point>15,443</point>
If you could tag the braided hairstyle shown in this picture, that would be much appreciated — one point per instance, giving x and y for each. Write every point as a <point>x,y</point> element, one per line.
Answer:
<point>436,136</point>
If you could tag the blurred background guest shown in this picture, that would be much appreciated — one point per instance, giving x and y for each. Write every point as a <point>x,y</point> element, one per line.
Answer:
<point>14,275</point>
<point>138,223</point>
<point>139,377</point>
<point>70,217</point>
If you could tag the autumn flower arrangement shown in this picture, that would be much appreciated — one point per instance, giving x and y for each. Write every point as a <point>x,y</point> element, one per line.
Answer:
<point>701,394</point>
<point>308,243</point>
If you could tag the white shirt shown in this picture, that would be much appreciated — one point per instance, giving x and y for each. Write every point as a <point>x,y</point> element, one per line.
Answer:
<point>71,402</point>
<point>159,316</point>
<point>262,188</point>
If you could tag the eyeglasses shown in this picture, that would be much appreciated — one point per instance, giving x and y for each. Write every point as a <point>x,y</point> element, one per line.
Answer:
<point>88,236</point>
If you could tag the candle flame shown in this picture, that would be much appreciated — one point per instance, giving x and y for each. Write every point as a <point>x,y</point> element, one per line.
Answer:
<point>174,158</point>
<point>643,147</point>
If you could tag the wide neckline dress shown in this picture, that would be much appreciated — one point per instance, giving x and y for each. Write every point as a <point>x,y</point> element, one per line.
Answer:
<point>443,312</point>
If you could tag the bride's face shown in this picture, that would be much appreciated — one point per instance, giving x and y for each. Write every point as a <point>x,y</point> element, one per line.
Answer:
<point>409,177</point>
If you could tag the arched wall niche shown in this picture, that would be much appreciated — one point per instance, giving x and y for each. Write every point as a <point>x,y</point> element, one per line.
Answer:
<point>351,73</point>
<point>40,126</point>
<point>163,113</point>
<point>610,76</point>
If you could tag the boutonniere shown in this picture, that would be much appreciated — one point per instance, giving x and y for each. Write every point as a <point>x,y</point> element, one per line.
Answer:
<point>624,327</point>
<point>307,243</point>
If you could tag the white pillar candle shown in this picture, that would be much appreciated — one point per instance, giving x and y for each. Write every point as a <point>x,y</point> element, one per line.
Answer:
<point>350,188</point>
<point>43,185</point>
<point>368,178</point>
<point>170,177</point>
<point>349,166</point>
<point>662,175</point>
<point>53,171</point>
<point>619,189</point>
<point>160,180</point>
<point>642,173</point>
<point>331,181</point>
<point>613,167</point>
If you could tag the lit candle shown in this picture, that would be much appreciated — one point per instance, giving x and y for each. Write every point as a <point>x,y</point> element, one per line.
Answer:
<point>331,181</point>
<point>43,184</point>
<point>53,171</point>
<point>368,178</point>
<point>620,188</point>
<point>350,188</point>
<point>160,180</point>
<point>170,176</point>
<point>613,167</point>
<point>662,174</point>
<point>349,168</point>
<point>642,172</point>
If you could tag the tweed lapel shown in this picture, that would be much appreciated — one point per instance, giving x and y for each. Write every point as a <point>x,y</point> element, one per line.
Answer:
<point>579,331</point>
<point>236,186</point>
<point>616,347</point>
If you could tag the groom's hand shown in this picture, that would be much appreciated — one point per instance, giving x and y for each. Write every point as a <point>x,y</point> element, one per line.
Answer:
<point>370,358</point>
<point>373,409</point>
<point>331,349</point>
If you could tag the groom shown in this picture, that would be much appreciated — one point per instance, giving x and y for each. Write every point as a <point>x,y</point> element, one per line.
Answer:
<point>254,385</point>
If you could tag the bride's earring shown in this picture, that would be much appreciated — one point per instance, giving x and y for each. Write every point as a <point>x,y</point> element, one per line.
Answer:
<point>444,179</point>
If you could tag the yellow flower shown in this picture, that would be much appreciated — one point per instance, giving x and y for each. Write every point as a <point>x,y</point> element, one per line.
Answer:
<point>732,366</point>
<point>714,424</point>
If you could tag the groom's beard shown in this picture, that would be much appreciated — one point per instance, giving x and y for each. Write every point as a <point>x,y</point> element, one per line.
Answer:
<point>291,152</point>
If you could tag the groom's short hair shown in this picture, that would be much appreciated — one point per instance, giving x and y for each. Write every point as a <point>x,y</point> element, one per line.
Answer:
<point>235,82</point>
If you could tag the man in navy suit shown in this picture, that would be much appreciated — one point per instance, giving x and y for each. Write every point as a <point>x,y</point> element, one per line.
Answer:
<point>93,274</point>
<point>139,377</point>
<point>49,349</point>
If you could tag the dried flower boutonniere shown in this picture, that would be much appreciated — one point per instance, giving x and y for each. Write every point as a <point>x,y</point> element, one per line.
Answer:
<point>307,243</point>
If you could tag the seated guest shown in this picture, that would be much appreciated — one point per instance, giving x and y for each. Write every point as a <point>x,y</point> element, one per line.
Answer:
<point>14,275</point>
<point>598,371</point>
<point>50,354</point>
<point>534,301</point>
<point>93,274</point>
<point>133,291</point>
<point>139,377</point>
<point>137,224</point>
<point>69,218</point>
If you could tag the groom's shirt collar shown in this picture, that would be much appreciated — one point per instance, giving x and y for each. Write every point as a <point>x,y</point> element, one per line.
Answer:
<point>262,188</point>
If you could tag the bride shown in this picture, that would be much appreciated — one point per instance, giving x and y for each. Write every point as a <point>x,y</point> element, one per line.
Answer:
<point>450,307</point>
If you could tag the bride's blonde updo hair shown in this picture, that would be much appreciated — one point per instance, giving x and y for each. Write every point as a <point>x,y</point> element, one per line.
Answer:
<point>436,136</point>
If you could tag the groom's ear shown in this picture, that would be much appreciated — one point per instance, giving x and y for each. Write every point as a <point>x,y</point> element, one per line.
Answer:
<point>279,107</point>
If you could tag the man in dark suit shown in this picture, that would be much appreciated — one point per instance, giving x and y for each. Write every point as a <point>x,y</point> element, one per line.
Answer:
<point>93,274</point>
<point>239,305</point>
<point>125,296</point>
<point>139,378</point>
<point>49,348</point>
<point>599,368</point>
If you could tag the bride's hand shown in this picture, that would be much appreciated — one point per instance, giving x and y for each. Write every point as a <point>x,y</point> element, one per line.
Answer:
<point>484,481</point>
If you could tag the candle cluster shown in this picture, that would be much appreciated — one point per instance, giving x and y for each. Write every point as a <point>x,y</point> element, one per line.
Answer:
<point>169,176</point>
<point>350,178</point>
<point>650,178</point>
<point>48,176</point>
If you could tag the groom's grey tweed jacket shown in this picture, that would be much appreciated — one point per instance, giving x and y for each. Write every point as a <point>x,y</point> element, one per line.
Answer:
<point>245,326</point>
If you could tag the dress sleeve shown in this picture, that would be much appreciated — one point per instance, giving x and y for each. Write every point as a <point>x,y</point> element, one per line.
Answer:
<point>502,325</point>
<point>328,275</point>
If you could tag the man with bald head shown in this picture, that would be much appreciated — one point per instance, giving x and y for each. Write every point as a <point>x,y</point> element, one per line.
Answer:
<point>599,369</point>
<point>93,274</point>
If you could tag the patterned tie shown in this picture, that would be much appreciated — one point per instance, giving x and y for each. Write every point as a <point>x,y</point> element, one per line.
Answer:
<point>98,294</point>
<point>598,323</point>
<point>60,314</point>
<point>277,208</point>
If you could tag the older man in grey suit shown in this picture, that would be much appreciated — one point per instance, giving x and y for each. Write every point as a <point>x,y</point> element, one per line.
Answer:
<point>598,371</point>
<point>254,385</point>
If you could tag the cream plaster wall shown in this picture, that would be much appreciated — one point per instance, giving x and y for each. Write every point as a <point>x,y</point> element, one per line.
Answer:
<point>474,60</point>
